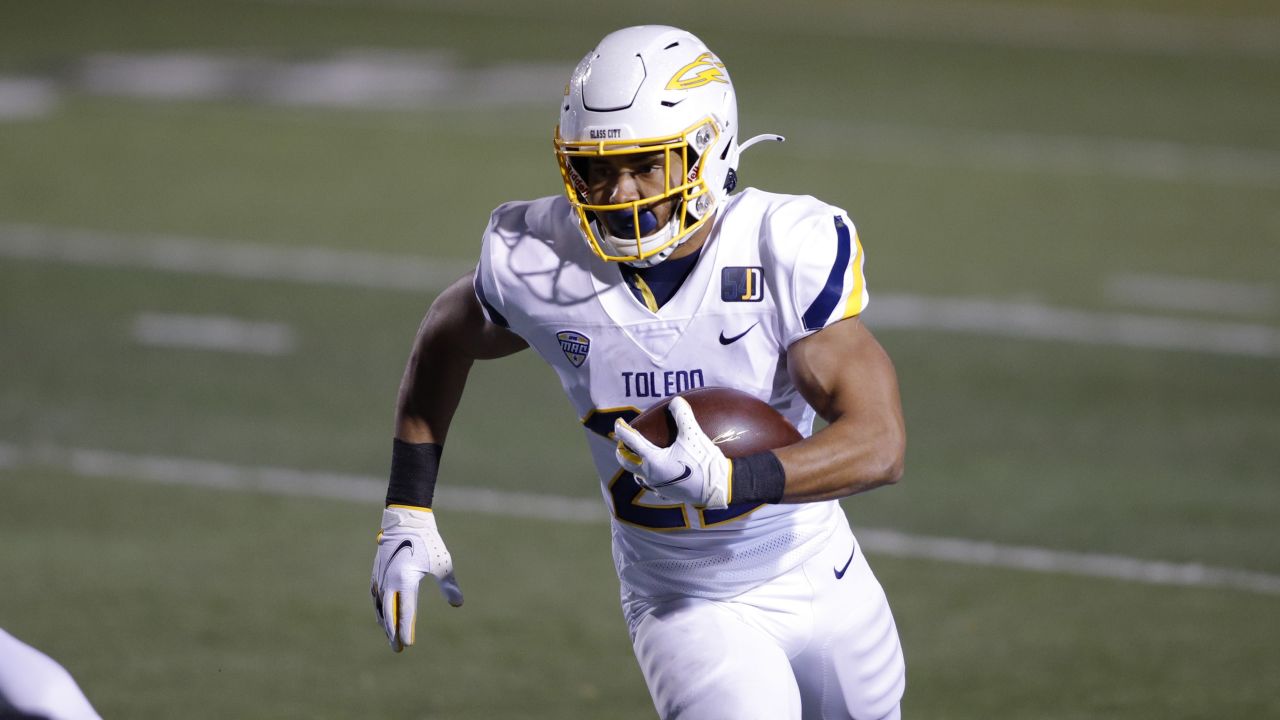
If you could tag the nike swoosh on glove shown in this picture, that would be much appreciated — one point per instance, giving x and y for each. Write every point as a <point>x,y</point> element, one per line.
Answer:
<point>409,547</point>
<point>693,470</point>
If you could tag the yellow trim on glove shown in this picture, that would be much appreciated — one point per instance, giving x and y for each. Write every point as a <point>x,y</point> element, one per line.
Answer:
<point>409,507</point>
<point>629,454</point>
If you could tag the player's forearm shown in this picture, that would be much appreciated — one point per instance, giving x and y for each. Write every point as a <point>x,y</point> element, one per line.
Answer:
<point>845,458</point>
<point>430,393</point>
<point>849,380</point>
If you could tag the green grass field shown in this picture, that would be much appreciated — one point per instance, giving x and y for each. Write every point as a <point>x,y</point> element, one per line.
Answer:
<point>1061,154</point>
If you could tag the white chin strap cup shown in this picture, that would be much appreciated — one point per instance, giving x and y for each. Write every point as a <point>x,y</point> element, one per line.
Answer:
<point>660,236</point>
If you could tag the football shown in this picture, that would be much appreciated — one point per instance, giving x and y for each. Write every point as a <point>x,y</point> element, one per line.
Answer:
<point>738,423</point>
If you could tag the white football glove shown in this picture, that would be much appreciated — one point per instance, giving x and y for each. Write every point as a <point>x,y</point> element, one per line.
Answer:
<point>692,470</point>
<point>409,547</point>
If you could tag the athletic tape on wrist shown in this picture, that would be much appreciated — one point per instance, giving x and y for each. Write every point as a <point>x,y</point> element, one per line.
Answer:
<point>413,473</point>
<point>758,478</point>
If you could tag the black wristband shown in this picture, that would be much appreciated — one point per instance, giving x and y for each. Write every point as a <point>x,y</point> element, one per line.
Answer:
<point>413,473</point>
<point>758,478</point>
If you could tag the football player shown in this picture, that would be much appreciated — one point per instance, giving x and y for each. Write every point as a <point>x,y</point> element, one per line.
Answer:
<point>743,587</point>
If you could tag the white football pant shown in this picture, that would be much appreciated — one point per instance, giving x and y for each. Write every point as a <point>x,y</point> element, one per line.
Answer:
<point>806,645</point>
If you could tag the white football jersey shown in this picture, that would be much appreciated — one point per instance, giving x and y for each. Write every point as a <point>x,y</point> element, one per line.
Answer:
<point>774,269</point>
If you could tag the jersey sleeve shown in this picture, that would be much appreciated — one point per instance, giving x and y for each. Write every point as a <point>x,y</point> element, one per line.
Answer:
<point>819,270</point>
<point>488,290</point>
<point>491,313</point>
<point>524,252</point>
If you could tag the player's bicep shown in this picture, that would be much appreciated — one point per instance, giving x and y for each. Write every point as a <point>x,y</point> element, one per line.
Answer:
<point>843,372</point>
<point>458,323</point>
<point>453,335</point>
<point>848,378</point>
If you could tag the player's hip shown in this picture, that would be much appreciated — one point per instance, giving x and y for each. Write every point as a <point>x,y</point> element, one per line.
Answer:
<point>821,633</point>
<point>726,562</point>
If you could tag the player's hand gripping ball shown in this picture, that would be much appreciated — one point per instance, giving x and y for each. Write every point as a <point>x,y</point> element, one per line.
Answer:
<point>681,448</point>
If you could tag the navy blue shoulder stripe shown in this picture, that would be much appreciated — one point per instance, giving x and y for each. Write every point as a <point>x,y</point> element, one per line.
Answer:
<point>815,317</point>
<point>493,312</point>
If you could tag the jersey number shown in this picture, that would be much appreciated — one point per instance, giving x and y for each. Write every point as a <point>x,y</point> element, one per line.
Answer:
<point>626,492</point>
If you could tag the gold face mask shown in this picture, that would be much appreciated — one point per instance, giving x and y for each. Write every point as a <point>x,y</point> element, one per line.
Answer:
<point>637,198</point>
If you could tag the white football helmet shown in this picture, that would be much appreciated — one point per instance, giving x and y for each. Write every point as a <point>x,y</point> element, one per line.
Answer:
<point>649,89</point>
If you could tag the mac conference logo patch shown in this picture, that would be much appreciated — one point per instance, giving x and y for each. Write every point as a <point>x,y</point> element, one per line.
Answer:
<point>575,346</point>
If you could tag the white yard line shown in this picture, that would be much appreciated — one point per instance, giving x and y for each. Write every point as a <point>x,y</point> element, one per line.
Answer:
<point>1024,320</point>
<point>351,78</point>
<point>1034,559</point>
<point>25,98</point>
<point>1066,155</point>
<point>309,265</point>
<point>1167,292</point>
<point>385,80</point>
<point>213,332</point>
<point>371,490</point>
<point>422,274</point>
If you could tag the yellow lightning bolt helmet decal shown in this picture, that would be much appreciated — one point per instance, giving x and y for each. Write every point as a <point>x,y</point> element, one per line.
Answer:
<point>706,69</point>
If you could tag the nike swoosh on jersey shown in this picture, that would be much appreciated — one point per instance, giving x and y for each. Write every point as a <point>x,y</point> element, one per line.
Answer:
<point>687,472</point>
<point>730,340</point>
<point>840,573</point>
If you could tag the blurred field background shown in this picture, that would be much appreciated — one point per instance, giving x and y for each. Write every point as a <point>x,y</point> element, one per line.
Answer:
<point>220,223</point>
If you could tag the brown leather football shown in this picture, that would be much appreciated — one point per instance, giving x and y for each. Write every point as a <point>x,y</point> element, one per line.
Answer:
<point>738,423</point>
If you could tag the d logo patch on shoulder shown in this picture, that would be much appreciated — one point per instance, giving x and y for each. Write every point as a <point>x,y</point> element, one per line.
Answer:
<point>575,346</point>
<point>742,284</point>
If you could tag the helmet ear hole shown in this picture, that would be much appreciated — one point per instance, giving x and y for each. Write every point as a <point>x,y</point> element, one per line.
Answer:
<point>579,168</point>
<point>730,180</point>
<point>692,162</point>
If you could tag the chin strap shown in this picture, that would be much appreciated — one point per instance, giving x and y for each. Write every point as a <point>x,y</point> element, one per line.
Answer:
<point>664,253</point>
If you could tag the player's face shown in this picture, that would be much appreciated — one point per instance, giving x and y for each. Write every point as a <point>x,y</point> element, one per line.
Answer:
<point>627,178</point>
